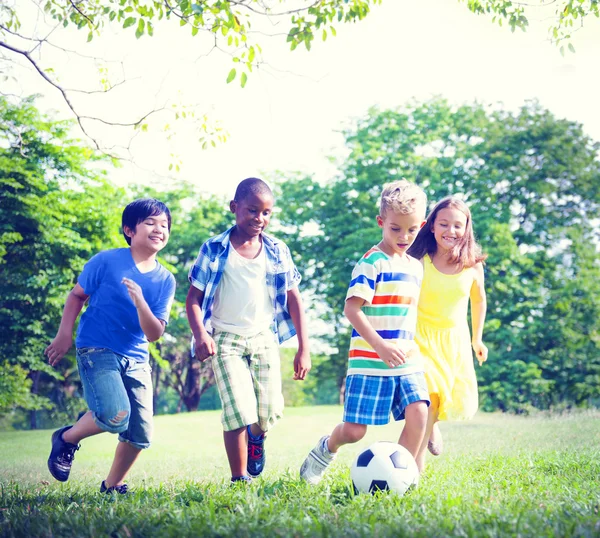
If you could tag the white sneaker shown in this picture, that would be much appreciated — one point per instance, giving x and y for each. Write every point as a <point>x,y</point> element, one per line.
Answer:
<point>316,463</point>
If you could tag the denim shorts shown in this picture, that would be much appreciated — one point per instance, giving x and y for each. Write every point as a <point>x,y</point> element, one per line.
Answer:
<point>370,399</point>
<point>118,391</point>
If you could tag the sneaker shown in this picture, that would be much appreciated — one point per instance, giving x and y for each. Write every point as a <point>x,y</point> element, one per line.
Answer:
<point>121,490</point>
<point>256,454</point>
<point>317,461</point>
<point>61,455</point>
<point>243,479</point>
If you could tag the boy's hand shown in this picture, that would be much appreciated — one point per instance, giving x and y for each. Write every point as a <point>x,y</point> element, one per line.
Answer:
<point>205,348</point>
<point>135,292</point>
<point>302,365</point>
<point>391,354</point>
<point>58,348</point>
<point>481,351</point>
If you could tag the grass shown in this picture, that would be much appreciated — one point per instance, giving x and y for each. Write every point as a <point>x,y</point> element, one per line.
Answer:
<point>499,476</point>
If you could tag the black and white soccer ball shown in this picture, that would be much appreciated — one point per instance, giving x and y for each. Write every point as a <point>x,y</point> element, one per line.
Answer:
<point>384,466</point>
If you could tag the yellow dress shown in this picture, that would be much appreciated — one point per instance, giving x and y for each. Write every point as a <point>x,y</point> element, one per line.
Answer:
<point>445,342</point>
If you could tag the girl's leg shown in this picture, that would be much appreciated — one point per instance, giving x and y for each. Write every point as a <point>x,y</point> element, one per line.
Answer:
<point>125,456</point>
<point>345,433</point>
<point>236,447</point>
<point>435,443</point>
<point>415,426</point>
<point>431,420</point>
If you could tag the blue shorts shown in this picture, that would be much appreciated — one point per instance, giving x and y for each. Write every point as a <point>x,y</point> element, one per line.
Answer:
<point>118,392</point>
<point>370,399</point>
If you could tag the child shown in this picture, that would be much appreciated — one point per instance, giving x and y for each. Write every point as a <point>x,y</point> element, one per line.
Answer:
<point>453,274</point>
<point>385,371</point>
<point>130,296</point>
<point>244,301</point>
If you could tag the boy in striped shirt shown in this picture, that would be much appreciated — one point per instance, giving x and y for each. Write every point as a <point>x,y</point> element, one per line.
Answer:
<point>385,371</point>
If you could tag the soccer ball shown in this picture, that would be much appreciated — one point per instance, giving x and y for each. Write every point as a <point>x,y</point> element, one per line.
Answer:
<point>384,466</point>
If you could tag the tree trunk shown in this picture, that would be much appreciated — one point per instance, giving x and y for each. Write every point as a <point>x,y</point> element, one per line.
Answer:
<point>35,376</point>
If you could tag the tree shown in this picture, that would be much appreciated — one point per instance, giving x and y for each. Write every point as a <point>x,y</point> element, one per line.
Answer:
<point>231,25</point>
<point>566,16</point>
<point>533,184</point>
<point>58,210</point>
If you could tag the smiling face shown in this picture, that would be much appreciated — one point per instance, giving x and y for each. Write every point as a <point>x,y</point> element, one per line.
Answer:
<point>399,230</point>
<point>252,214</point>
<point>449,228</point>
<point>150,235</point>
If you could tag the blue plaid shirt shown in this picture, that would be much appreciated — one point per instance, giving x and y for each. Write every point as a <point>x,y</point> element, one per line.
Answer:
<point>282,276</point>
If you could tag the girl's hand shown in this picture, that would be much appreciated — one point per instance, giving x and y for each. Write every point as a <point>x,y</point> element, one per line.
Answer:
<point>481,351</point>
<point>135,292</point>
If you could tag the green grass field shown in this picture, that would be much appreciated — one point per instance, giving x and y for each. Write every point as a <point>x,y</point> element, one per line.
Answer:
<point>500,475</point>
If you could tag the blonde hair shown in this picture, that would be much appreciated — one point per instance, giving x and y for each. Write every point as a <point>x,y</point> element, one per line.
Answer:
<point>402,197</point>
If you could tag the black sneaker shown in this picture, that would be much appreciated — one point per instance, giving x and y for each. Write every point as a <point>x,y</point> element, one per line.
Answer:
<point>256,454</point>
<point>123,489</point>
<point>61,455</point>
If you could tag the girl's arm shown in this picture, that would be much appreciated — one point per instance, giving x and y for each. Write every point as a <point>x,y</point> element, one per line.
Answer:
<point>478,310</point>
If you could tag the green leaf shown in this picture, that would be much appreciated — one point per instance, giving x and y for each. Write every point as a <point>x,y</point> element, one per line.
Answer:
<point>90,36</point>
<point>139,32</point>
<point>231,75</point>
<point>243,79</point>
<point>129,21</point>
<point>571,47</point>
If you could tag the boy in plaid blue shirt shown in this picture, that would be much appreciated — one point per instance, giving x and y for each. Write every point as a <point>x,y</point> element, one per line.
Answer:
<point>242,303</point>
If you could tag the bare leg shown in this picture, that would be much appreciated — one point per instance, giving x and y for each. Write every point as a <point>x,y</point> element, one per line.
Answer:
<point>431,420</point>
<point>256,430</point>
<point>344,433</point>
<point>84,427</point>
<point>236,446</point>
<point>435,440</point>
<point>414,429</point>
<point>125,456</point>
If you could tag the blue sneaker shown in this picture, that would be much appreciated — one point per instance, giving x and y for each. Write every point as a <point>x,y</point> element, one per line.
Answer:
<point>256,454</point>
<point>61,456</point>
<point>241,479</point>
<point>121,490</point>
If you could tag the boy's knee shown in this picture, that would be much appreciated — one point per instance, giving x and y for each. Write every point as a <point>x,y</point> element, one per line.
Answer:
<point>417,412</point>
<point>115,422</point>
<point>354,432</point>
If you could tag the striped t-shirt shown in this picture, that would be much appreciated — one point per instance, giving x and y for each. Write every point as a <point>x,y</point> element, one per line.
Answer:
<point>390,288</point>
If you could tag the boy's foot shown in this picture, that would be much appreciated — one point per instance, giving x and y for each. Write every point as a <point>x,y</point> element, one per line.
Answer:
<point>256,454</point>
<point>317,461</point>
<point>243,479</point>
<point>123,489</point>
<point>61,455</point>
<point>435,445</point>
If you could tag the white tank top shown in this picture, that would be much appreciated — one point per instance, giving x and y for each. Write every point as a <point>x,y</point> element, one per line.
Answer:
<point>242,303</point>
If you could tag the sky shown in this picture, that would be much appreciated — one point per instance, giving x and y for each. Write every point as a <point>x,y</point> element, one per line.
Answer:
<point>289,115</point>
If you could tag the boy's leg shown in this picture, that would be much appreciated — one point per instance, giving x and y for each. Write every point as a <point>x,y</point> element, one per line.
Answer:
<point>137,380</point>
<point>415,426</point>
<point>345,433</point>
<point>83,428</point>
<point>236,447</point>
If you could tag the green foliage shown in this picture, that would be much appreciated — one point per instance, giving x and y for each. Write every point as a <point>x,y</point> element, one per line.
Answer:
<point>533,184</point>
<point>492,481</point>
<point>229,22</point>
<point>566,16</point>
<point>58,211</point>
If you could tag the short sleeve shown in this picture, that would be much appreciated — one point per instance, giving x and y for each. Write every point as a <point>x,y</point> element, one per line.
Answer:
<point>362,283</point>
<point>293,275</point>
<point>199,272</point>
<point>91,275</point>
<point>162,310</point>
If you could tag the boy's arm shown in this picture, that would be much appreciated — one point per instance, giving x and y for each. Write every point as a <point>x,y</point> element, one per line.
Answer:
<point>205,345</point>
<point>478,311</point>
<point>64,337</point>
<point>152,326</point>
<point>388,352</point>
<point>302,363</point>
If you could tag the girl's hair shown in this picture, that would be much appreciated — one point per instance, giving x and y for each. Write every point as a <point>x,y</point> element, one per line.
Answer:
<point>139,210</point>
<point>466,253</point>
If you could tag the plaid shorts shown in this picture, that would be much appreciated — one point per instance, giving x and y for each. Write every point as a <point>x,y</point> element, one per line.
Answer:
<point>370,399</point>
<point>248,378</point>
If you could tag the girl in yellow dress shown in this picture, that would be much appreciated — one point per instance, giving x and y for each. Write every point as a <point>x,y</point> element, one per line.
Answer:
<point>453,275</point>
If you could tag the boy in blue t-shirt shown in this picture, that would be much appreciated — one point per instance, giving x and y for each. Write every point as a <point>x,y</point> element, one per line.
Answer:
<point>130,296</point>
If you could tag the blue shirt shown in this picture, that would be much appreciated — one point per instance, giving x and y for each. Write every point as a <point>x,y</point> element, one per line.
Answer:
<point>282,276</point>
<point>111,319</point>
